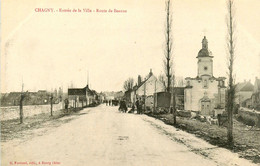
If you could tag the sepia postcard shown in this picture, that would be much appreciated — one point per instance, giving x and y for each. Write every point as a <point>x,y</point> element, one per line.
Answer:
<point>130,83</point>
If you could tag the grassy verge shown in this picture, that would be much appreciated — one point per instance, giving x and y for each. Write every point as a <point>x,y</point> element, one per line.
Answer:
<point>11,129</point>
<point>246,139</point>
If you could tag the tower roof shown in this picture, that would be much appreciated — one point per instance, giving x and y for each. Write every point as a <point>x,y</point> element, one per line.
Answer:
<point>204,52</point>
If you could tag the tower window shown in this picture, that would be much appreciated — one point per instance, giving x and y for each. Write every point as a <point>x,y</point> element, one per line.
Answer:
<point>188,83</point>
<point>205,82</point>
<point>205,68</point>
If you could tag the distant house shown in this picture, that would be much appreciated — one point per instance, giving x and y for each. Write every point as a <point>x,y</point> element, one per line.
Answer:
<point>90,95</point>
<point>179,97</point>
<point>101,97</point>
<point>144,90</point>
<point>244,92</point>
<point>247,103</point>
<point>255,98</point>
<point>119,95</point>
<point>77,97</point>
<point>80,97</point>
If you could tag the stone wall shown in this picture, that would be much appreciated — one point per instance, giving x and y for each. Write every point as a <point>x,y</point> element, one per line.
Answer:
<point>13,112</point>
<point>249,115</point>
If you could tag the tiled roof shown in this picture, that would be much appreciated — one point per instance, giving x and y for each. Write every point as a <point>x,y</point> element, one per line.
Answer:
<point>88,91</point>
<point>138,86</point>
<point>245,86</point>
<point>203,53</point>
<point>179,90</point>
<point>76,91</point>
<point>258,83</point>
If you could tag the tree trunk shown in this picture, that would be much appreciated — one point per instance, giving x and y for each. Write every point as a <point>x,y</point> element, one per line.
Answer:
<point>174,107</point>
<point>231,86</point>
<point>51,105</point>
<point>21,109</point>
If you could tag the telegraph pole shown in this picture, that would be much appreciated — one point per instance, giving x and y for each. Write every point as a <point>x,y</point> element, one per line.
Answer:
<point>144,95</point>
<point>51,103</point>
<point>21,104</point>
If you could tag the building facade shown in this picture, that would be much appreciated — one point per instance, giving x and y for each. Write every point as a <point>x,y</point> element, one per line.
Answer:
<point>256,95</point>
<point>244,91</point>
<point>144,90</point>
<point>80,97</point>
<point>204,92</point>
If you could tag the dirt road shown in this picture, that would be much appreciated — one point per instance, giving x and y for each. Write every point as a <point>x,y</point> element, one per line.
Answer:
<point>102,136</point>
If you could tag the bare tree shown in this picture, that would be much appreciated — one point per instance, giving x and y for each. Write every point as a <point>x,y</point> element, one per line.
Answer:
<point>128,84</point>
<point>231,57</point>
<point>162,79</point>
<point>21,107</point>
<point>168,44</point>
<point>179,81</point>
<point>168,63</point>
<point>173,111</point>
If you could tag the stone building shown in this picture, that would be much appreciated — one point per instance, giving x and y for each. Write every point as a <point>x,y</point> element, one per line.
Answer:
<point>256,95</point>
<point>81,97</point>
<point>205,92</point>
<point>145,89</point>
<point>244,91</point>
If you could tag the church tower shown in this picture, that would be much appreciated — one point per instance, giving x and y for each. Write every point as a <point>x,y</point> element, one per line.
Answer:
<point>205,62</point>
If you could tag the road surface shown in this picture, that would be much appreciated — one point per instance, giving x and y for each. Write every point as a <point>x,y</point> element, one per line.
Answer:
<point>102,136</point>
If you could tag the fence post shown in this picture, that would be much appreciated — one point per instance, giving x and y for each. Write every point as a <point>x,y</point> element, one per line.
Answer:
<point>51,103</point>
<point>174,106</point>
<point>21,108</point>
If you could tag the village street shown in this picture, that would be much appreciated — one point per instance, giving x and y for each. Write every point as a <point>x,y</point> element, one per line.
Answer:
<point>104,136</point>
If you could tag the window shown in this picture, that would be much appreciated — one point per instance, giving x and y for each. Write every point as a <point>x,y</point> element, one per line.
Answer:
<point>205,83</point>
<point>205,68</point>
<point>188,83</point>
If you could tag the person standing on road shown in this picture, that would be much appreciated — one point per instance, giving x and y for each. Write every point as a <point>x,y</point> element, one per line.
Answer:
<point>141,107</point>
<point>137,103</point>
<point>66,104</point>
<point>124,106</point>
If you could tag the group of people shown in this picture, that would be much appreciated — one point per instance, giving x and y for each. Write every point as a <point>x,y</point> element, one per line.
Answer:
<point>138,105</point>
<point>108,102</point>
<point>122,106</point>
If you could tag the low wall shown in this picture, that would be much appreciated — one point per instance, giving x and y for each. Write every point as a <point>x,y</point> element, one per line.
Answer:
<point>13,112</point>
<point>249,115</point>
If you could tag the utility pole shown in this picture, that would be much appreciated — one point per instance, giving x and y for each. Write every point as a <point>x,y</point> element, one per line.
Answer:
<point>21,104</point>
<point>75,102</point>
<point>154,95</point>
<point>174,106</point>
<point>51,103</point>
<point>144,95</point>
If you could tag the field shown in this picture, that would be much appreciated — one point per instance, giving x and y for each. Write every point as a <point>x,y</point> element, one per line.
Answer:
<point>11,129</point>
<point>12,112</point>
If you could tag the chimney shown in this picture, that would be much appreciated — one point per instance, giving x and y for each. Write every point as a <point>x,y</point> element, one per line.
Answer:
<point>151,73</point>
<point>139,80</point>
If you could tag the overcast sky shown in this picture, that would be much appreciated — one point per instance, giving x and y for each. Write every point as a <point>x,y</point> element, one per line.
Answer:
<point>48,50</point>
